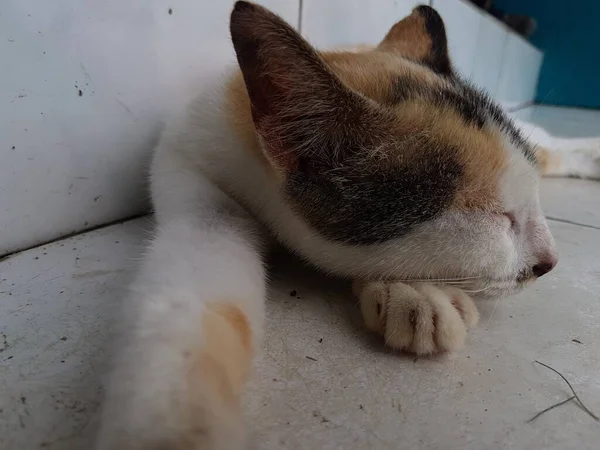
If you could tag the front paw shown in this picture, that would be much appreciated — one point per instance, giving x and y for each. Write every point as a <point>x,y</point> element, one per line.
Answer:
<point>419,318</point>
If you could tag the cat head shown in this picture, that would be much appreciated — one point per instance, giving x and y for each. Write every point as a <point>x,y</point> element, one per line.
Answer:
<point>404,170</point>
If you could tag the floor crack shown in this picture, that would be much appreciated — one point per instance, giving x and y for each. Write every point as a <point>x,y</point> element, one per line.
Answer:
<point>76,233</point>
<point>571,222</point>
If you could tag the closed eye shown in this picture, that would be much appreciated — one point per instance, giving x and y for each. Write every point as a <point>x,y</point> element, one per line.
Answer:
<point>513,221</point>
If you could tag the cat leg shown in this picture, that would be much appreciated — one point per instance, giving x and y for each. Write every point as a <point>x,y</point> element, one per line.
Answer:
<point>192,323</point>
<point>418,318</point>
<point>564,157</point>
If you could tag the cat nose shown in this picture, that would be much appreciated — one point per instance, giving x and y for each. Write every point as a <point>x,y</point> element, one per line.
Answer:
<point>544,266</point>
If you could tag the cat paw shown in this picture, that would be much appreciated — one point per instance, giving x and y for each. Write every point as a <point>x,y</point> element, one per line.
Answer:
<point>139,424</point>
<point>182,391</point>
<point>418,318</point>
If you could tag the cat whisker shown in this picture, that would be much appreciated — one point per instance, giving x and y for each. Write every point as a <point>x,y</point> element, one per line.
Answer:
<point>477,291</point>
<point>437,280</point>
<point>387,339</point>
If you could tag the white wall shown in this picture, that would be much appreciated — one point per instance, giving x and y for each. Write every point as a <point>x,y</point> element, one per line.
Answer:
<point>85,84</point>
<point>519,73</point>
<point>332,23</point>
<point>488,53</point>
<point>462,21</point>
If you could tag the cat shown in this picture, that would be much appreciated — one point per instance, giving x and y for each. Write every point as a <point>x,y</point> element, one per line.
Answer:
<point>378,165</point>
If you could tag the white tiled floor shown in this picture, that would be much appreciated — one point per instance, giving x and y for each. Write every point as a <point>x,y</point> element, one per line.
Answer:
<point>322,382</point>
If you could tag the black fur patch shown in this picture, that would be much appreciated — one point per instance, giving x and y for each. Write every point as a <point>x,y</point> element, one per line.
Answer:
<point>438,59</point>
<point>361,204</point>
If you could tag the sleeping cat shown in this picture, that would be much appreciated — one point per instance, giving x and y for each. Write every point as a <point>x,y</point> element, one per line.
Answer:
<point>379,165</point>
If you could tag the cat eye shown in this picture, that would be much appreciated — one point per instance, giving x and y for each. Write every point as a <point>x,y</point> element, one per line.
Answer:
<point>512,219</point>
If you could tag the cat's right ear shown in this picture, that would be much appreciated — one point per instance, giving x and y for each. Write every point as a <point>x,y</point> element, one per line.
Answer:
<point>299,107</point>
<point>421,36</point>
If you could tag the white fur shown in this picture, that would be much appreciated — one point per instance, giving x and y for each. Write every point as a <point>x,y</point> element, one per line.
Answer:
<point>211,194</point>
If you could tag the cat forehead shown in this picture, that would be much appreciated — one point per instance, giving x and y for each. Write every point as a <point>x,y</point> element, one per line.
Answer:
<point>432,112</point>
<point>393,80</point>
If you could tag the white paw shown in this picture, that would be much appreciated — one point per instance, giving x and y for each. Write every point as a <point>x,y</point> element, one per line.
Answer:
<point>133,420</point>
<point>417,318</point>
<point>174,389</point>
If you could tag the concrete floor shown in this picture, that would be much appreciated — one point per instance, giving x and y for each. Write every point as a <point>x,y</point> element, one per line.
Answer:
<point>322,382</point>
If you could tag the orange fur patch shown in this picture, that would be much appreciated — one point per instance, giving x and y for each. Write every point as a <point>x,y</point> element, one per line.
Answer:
<point>480,152</point>
<point>372,72</point>
<point>217,370</point>
<point>224,360</point>
<point>409,38</point>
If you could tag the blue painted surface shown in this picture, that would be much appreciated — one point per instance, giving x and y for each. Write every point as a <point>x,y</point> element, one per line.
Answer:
<point>569,35</point>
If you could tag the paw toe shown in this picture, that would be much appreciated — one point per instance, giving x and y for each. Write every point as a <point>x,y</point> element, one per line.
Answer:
<point>373,305</point>
<point>449,329</point>
<point>464,305</point>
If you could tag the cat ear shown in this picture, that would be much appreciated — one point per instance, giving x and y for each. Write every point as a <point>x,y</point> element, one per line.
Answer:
<point>299,107</point>
<point>422,38</point>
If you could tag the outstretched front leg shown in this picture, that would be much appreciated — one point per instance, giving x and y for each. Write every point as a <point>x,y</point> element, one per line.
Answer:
<point>418,318</point>
<point>193,322</point>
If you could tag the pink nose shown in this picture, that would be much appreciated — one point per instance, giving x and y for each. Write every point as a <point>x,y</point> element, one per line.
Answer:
<point>545,265</point>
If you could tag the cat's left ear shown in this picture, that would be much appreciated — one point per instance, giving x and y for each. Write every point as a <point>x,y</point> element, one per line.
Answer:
<point>422,38</point>
<point>302,112</point>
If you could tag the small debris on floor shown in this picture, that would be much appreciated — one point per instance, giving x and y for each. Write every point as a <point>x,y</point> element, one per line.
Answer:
<point>576,341</point>
<point>317,414</point>
<point>311,358</point>
<point>321,341</point>
<point>293,293</point>
<point>573,397</point>
<point>556,405</point>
